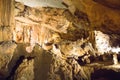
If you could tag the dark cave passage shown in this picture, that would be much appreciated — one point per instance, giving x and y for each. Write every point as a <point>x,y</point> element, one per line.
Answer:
<point>104,74</point>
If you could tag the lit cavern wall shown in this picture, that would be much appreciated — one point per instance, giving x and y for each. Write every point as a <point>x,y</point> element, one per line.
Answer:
<point>84,29</point>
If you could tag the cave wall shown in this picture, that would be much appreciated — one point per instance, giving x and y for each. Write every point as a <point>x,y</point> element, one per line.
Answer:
<point>72,35</point>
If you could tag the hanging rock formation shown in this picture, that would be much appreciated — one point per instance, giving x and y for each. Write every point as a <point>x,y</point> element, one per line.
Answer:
<point>67,40</point>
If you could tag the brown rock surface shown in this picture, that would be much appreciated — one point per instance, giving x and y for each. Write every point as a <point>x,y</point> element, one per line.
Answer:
<point>115,4</point>
<point>7,49</point>
<point>101,17</point>
<point>79,41</point>
<point>25,70</point>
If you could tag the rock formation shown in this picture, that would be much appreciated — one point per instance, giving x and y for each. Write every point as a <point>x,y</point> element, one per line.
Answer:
<point>59,40</point>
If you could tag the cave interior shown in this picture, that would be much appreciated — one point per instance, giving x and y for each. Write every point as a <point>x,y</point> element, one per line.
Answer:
<point>59,39</point>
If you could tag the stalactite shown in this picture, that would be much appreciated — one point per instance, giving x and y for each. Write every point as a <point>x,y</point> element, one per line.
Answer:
<point>92,38</point>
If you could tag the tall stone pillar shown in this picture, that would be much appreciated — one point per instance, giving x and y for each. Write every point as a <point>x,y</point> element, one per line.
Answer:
<point>6,19</point>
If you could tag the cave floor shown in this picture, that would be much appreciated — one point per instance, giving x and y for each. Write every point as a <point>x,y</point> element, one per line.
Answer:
<point>43,62</point>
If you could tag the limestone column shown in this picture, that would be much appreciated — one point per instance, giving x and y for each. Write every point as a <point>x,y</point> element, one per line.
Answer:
<point>6,19</point>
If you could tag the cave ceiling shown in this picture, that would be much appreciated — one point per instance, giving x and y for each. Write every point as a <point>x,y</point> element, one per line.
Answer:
<point>103,15</point>
<point>42,3</point>
<point>115,4</point>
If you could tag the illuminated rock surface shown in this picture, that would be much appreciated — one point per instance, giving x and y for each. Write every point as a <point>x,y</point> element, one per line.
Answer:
<point>55,40</point>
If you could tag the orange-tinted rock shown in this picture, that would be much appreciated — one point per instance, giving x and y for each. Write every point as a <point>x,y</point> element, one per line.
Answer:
<point>101,17</point>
